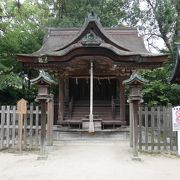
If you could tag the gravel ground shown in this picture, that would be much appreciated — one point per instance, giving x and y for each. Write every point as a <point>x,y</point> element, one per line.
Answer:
<point>89,161</point>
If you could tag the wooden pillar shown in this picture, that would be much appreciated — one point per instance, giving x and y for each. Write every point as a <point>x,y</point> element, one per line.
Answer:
<point>131,122</point>
<point>61,99</point>
<point>135,127</point>
<point>66,89</point>
<point>117,89</point>
<point>91,123</point>
<point>122,99</point>
<point>133,107</point>
<point>50,120</point>
<point>43,125</point>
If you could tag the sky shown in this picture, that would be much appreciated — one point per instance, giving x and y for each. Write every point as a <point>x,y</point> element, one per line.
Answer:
<point>157,42</point>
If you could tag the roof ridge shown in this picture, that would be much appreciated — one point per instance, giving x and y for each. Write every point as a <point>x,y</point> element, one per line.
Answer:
<point>93,22</point>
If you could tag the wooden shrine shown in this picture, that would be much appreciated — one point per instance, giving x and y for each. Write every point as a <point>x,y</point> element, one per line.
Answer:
<point>91,63</point>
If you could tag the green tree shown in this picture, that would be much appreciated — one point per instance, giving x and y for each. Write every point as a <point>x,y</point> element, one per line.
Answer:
<point>156,19</point>
<point>159,91</point>
<point>22,26</point>
<point>67,13</point>
<point>20,33</point>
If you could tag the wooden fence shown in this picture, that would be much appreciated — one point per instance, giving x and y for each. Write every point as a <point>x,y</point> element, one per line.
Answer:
<point>155,129</point>
<point>9,127</point>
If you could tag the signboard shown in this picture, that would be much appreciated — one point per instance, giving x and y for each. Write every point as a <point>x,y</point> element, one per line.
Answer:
<point>22,106</point>
<point>21,109</point>
<point>176,118</point>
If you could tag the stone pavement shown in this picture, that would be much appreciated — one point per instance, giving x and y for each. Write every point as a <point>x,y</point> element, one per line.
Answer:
<point>89,159</point>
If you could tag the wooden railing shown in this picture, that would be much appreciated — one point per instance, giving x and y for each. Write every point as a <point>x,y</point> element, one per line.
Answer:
<point>9,127</point>
<point>155,129</point>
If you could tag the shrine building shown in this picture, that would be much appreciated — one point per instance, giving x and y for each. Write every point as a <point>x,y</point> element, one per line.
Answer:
<point>91,63</point>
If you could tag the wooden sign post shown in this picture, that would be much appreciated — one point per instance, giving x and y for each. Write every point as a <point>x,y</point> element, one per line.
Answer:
<point>21,109</point>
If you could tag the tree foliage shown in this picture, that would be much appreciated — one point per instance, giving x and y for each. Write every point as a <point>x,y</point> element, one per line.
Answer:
<point>156,19</point>
<point>159,91</point>
<point>22,27</point>
<point>18,34</point>
<point>67,13</point>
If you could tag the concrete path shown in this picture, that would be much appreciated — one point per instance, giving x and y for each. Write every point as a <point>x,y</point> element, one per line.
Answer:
<point>87,160</point>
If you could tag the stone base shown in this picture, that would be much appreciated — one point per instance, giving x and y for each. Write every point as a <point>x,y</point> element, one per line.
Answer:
<point>97,125</point>
<point>42,157</point>
<point>136,158</point>
<point>91,127</point>
<point>50,148</point>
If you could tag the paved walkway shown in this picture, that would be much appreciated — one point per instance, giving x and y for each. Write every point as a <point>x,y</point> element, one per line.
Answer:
<point>88,160</point>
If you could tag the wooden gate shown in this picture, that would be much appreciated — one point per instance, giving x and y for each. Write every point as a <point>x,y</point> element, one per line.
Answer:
<point>155,129</point>
<point>9,127</point>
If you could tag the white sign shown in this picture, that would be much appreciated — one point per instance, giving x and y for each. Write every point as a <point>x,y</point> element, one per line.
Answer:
<point>176,123</point>
<point>176,118</point>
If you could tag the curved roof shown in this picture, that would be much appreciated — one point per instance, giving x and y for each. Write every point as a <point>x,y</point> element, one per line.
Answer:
<point>135,79</point>
<point>63,44</point>
<point>58,38</point>
<point>123,38</point>
<point>44,77</point>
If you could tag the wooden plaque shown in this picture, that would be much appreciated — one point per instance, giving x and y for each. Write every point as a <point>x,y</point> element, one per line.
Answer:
<point>22,106</point>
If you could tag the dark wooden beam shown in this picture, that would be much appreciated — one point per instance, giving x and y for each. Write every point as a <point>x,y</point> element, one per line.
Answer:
<point>61,98</point>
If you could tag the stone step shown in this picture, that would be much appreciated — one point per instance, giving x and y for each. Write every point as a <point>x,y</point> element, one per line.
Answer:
<point>96,136</point>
